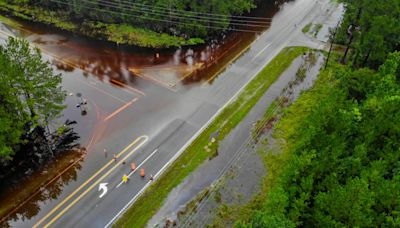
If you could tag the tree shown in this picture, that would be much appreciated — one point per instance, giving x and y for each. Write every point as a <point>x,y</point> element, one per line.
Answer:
<point>185,18</point>
<point>11,119</point>
<point>35,82</point>
<point>30,94</point>
<point>340,163</point>
<point>372,30</point>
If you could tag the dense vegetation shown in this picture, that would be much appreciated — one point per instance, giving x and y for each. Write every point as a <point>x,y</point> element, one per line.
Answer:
<point>31,98</point>
<point>340,160</point>
<point>135,22</point>
<point>370,31</point>
<point>340,164</point>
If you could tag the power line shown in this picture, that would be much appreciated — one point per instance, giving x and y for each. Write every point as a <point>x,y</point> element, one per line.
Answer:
<point>198,13</point>
<point>161,20</point>
<point>233,161</point>
<point>185,16</point>
<point>184,13</point>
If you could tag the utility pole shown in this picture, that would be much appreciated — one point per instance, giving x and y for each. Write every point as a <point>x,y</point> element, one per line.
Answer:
<point>332,38</point>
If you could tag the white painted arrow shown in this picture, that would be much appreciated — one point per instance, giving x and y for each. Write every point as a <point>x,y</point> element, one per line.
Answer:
<point>103,187</point>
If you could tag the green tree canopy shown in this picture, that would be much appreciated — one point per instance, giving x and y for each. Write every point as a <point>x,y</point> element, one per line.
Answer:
<point>30,94</point>
<point>342,153</point>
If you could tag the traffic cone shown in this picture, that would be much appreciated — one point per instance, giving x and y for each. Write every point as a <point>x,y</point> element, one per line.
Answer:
<point>142,174</point>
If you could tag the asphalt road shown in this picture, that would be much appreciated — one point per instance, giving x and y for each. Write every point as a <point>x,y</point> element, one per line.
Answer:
<point>168,122</point>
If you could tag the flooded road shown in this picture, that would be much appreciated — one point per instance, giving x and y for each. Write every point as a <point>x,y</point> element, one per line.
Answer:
<point>170,68</point>
<point>166,95</point>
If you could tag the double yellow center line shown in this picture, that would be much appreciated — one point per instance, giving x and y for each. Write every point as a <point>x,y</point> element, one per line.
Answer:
<point>143,139</point>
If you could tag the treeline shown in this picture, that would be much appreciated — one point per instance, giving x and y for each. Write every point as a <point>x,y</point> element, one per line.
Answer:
<point>340,161</point>
<point>340,164</point>
<point>370,31</point>
<point>191,18</point>
<point>31,98</point>
<point>140,22</point>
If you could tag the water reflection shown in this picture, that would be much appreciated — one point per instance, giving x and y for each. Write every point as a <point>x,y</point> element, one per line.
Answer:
<point>29,204</point>
<point>170,67</point>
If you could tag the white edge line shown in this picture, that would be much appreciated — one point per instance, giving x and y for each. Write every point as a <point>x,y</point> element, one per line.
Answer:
<point>259,53</point>
<point>183,148</point>
<point>140,165</point>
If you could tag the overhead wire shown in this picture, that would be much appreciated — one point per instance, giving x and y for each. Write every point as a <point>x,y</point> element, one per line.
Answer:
<point>161,20</point>
<point>194,12</point>
<point>257,20</point>
<point>180,16</point>
<point>235,159</point>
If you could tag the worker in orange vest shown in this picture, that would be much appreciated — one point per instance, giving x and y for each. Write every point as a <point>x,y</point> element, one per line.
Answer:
<point>133,166</point>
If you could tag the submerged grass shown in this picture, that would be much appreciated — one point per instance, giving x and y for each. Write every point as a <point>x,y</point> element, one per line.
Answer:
<point>200,150</point>
<point>7,21</point>
<point>307,28</point>
<point>317,29</point>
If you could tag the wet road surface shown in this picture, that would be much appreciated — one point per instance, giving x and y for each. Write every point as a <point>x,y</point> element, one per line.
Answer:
<point>147,122</point>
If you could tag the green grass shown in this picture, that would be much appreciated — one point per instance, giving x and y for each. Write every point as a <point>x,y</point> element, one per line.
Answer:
<point>152,199</point>
<point>306,28</point>
<point>118,33</point>
<point>317,28</point>
<point>312,29</point>
<point>123,33</point>
<point>7,21</point>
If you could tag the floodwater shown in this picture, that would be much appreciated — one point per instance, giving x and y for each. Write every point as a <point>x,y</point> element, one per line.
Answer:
<point>167,67</point>
<point>121,66</point>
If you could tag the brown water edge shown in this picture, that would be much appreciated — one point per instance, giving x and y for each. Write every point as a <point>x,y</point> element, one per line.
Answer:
<point>113,61</point>
<point>24,198</point>
<point>183,66</point>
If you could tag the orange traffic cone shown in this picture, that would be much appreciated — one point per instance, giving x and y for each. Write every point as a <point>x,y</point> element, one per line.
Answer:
<point>142,174</point>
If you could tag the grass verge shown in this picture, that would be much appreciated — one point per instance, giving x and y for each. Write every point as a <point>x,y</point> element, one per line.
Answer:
<point>276,159</point>
<point>201,149</point>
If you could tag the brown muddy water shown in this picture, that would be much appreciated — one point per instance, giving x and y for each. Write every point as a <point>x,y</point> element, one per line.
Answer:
<point>165,67</point>
<point>119,65</point>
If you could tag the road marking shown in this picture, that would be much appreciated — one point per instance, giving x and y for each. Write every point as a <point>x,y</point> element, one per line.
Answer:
<point>156,81</point>
<point>88,181</point>
<point>183,148</point>
<point>103,187</point>
<point>259,53</point>
<point>226,65</point>
<point>120,109</point>
<point>102,91</point>
<point>55,218</point>
<point>137,168</point>
<point>127,86</point>
<point>76,66</point>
